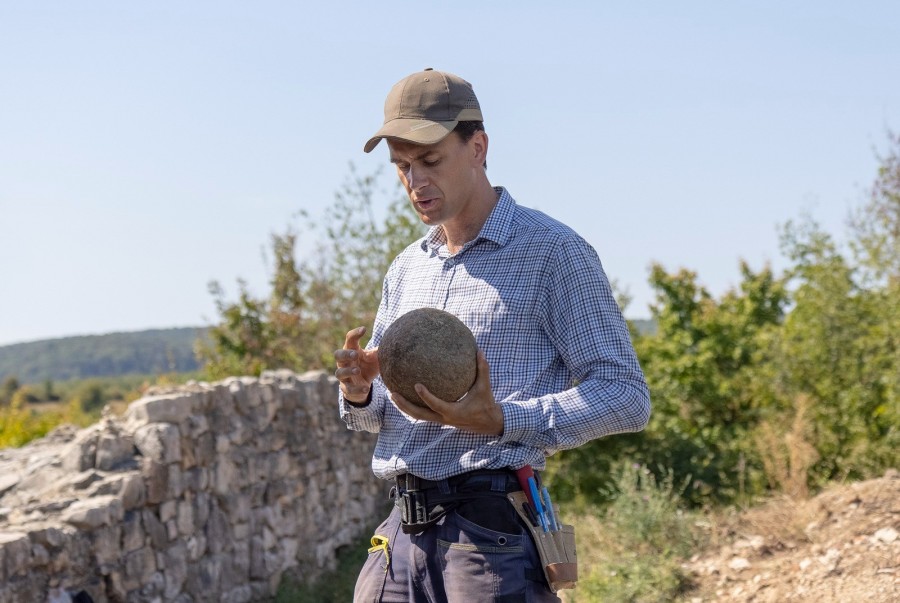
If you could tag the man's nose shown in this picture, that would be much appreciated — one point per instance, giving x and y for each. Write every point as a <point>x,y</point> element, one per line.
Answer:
<point>415,178</point>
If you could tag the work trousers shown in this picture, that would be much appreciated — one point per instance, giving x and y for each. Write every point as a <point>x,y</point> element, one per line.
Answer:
<point>456,560</point>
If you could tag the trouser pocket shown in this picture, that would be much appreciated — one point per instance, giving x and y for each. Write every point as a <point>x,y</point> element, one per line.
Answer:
<point>495,513</point>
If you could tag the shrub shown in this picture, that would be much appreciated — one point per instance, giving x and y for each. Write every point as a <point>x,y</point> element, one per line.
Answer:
<point>633,549</point>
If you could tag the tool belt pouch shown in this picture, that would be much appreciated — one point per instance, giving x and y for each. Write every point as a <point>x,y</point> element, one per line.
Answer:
<point>555,548</point>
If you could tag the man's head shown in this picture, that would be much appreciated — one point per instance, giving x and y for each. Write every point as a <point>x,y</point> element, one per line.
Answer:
<point>425,107</point>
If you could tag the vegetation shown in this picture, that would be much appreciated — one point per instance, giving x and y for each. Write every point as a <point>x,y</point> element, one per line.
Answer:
<point>632,549</point>
<point>313,302</point>
<point>335,586</point>
<point>788,381</point>
<point>29,411</point>
<point>140,353</point>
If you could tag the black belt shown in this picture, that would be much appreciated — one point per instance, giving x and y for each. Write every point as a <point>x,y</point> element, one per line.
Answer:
<point>480,479</point>
<point>423,502</point>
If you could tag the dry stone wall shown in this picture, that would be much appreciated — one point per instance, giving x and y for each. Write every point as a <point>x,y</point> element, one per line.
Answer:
<point>207,492</point>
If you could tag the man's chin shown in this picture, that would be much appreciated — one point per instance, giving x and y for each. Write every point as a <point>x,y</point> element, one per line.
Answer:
<point>430,219</point>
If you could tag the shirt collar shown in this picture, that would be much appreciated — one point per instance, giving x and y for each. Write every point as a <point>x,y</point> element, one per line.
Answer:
<point>496,228</point>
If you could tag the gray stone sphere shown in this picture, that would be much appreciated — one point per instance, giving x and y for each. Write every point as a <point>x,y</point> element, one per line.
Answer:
<point>431,347</point>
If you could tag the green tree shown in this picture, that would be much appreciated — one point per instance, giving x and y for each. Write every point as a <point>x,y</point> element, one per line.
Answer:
<point>840,346</point>
<point>699,365</point>
<point>313,302</point>
<point>785,380</point>
<point>90,396</point>
<point>10,386</point>
<point>49,393</point>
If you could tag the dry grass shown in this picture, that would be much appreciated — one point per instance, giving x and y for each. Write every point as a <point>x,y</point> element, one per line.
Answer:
<point>787,454</point>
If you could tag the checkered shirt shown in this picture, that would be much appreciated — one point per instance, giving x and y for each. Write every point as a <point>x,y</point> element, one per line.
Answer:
<point>536,297</point>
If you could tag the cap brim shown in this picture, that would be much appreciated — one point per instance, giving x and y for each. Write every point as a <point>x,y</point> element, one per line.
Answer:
<point>417,131</point>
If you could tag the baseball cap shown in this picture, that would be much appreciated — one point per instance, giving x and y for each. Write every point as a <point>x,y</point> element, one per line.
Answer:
<point>424,107</point>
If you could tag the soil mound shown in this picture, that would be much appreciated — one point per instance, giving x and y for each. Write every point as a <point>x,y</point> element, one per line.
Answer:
<point>842,545</point>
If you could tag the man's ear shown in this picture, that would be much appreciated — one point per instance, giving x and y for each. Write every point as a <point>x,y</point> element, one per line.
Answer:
<point>479,147</point>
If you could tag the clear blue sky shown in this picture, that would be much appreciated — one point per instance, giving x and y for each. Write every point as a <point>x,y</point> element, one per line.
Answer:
<point>147,148</point>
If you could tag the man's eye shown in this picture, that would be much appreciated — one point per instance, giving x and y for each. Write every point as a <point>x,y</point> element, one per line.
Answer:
<point>431,162</point>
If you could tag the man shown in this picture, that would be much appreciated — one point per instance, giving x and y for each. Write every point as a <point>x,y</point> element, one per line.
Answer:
<point>556,367</point>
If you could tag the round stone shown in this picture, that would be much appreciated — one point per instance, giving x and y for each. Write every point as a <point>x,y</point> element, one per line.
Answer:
<point>431,347</point>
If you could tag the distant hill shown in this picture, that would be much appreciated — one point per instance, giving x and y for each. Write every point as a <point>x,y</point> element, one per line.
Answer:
<point>644,326</point>
<point>149,352</point>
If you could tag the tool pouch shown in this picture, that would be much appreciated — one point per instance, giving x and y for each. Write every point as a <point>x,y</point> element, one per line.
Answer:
<point>555,548</point>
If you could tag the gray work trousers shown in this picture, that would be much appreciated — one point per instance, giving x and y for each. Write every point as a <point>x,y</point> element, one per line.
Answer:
<point>454,561</point>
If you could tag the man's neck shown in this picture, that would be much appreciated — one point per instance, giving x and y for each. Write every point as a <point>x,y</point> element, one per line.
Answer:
<point>458,235</point>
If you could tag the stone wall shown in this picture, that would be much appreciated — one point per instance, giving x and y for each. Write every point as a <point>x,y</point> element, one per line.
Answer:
<point>206,492</point>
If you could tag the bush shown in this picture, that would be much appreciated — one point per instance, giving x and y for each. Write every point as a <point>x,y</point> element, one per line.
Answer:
<point>633,549</point>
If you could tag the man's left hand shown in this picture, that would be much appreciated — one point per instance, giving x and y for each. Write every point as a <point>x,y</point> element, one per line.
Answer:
<point>477,411</point>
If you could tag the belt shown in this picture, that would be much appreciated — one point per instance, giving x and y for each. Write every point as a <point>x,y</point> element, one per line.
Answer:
<point>423,502</point>
<point>498,480</point>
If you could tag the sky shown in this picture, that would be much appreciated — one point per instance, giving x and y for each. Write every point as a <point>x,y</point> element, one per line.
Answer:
<point>148,148</point>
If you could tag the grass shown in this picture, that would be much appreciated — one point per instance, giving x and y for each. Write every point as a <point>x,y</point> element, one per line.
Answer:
<point>333,587</point>
<point>632,551</point>
<point>21,423</point>
<point>27,413</point>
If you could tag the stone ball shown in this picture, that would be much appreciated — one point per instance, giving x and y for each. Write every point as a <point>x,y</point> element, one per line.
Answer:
<point>431,347</point>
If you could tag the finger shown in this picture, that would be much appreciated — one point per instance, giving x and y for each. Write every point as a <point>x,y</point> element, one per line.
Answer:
<point>346,374</point>
<point>434,403</point>
<point>344,356</point>
<point>351,341</point>
<point>483,377</point>
<point>414,410</point>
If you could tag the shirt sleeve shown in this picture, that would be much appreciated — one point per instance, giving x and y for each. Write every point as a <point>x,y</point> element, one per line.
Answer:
<point>609,393</point>
<point>365,418</point>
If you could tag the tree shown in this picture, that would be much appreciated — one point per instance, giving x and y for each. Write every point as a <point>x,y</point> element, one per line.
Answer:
<point>315,301</point>
<point>9,387</point>
<point>840,345</point>
<point>699,364</point>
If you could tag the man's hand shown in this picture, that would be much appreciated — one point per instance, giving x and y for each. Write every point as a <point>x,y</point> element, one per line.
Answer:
<point>477,412</point>
<point>356,368</point>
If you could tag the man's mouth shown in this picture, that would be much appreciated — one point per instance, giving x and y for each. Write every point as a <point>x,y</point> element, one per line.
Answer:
<point>426,204</point>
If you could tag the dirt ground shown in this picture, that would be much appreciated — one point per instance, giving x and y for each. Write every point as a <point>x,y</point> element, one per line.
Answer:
<point>842,545</point>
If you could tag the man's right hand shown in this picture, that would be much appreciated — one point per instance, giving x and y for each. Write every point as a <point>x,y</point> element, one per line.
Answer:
<point>356,368</point>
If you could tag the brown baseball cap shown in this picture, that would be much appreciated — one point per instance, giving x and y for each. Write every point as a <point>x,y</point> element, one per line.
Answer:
<point>424,107</point>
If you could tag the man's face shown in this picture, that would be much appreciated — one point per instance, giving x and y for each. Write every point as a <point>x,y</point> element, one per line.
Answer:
<point>440,179</point>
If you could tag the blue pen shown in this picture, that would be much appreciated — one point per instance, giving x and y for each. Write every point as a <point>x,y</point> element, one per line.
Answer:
<point>537,502</point>
<point>551,515</point>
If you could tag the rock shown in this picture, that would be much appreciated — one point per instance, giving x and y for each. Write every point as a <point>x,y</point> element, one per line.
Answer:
<point>113,450</point>
<point>8,482</point>
<point>16,548</point>
<point>81,453</point>
<point>431,347</point>
<point>162,409</point>
<point>886,535</point>
<point>159,441</point>
<point>94,512</point>
<point>739,564</point>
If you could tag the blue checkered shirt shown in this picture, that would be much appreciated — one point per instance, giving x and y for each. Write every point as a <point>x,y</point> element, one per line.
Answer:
<point>562,365</point>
